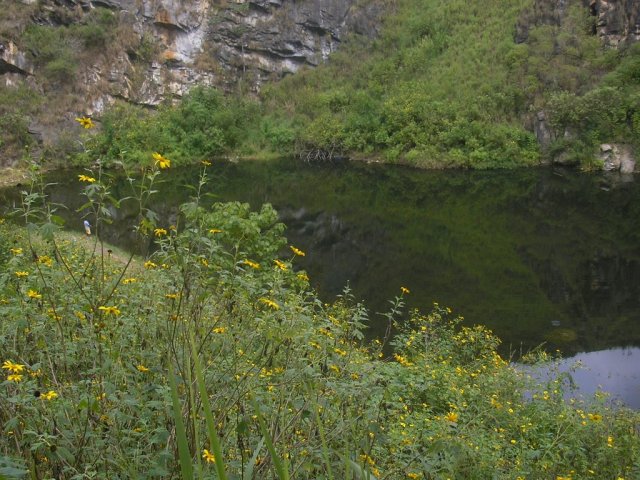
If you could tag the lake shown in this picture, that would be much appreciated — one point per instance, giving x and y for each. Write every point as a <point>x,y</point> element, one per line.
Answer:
<point>541,256</point>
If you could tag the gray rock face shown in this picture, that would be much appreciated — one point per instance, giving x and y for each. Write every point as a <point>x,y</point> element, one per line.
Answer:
<point>617,157</point>
<point>165,47</point>
<point>618,21</point>
<point>210,42</point>
<point>13,60</point>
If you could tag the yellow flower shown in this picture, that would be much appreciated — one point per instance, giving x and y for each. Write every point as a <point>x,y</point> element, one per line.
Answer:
<point>86,122</point>
<point>251,264</point>
<point>219,330</point>
<point>270,303</point>
<point>149,264</point>
<point>159,232</point>
<point>171,296</point>
<point>402,360</point>
<point>127,281</point>
<point>610,441</point>
<point>161,161</point>
<point>340,352</point>
<point>405,290</point>
<point>215,230</point>
<point>50,395</point>
<point>280,265</point>
<point>85,178</point>
<point>21,274</point>
<point>109,310</point>
<point>33,294</point>
<point>594,417</point>
<point>413,476</point>
<point>303,276</point>
<point>142,368</point>
<point>296,251</point>
<point>12,367</point>
<point>16,251</point>
<point>206,163</point>
<point>45,260</point>
<point>208,456</point>
<point>15,377</point>
<point>451,417</point>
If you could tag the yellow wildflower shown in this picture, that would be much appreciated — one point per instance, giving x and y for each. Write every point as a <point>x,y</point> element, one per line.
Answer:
<point>219,330</point>
<point>281,265</point>
<point>158,232</point>
<point>402,360</point>
<point>270,303</point>
<point>149,264</point>
<point>413,476</point>
<point>15,377</point>
<point>12,367</point>
<point>594,417</point>
<point>16,251</point>
<point>405,290</point>
<point>21,274</point>
<point>215,230</point>
<point>297,251</point>
<point>86,178</point>
<point>610,441</point>
<point>251,264</point>
<point>142,368</point>
<point>208,456</point>
<point>303,276</point>
<point>33,294</point>
<point>50,395</point>
<point>85,122</point>
<point>127,281</point>
<point>367,459</point>
<point>109,310</point>
<point>340,352</point>
<point>451,417</point>
<point>161,161</point>
<point>206,163</point>
<point>45,260</point>
<point>171,296</point>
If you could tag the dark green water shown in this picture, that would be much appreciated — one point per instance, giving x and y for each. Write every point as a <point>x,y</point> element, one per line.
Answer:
<point>538,255</point>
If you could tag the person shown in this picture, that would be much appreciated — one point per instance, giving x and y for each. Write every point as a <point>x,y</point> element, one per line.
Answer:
<point>87,227</point>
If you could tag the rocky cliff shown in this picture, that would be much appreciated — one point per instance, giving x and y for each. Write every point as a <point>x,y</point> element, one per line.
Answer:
<point>617,22</point>
<point>152,51</point>
<point>212,42</point>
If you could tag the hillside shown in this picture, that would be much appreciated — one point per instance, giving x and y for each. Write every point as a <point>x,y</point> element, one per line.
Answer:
<point>431,83</point>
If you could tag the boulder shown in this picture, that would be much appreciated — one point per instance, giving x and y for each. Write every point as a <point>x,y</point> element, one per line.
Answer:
<point>617,157</point>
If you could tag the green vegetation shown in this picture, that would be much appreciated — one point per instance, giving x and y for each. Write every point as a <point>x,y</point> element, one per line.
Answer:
<point>16,106</point>
<point>58,50</point>
<point>445,84</point>
<point>204,125</point>
<point>213,358</point>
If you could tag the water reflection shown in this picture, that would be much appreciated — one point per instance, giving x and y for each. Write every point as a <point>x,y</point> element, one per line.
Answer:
<point>541,256</point>
<point>615,370</point>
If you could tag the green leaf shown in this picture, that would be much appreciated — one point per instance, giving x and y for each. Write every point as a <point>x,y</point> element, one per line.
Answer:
<point>184,454</point>
<point>58,220</point>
